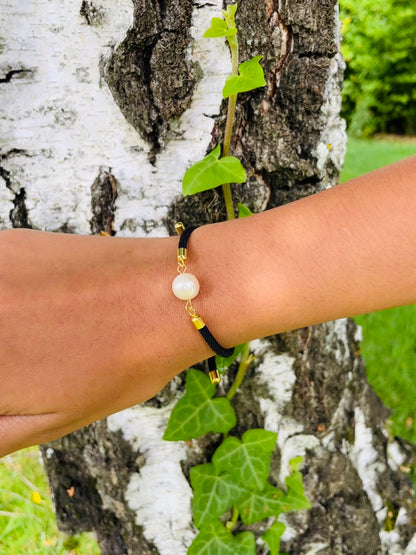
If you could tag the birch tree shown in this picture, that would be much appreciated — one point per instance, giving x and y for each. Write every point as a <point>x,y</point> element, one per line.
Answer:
<point>104,106</point>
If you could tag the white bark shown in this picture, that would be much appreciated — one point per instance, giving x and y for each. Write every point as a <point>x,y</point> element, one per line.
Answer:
<point>62,125</point>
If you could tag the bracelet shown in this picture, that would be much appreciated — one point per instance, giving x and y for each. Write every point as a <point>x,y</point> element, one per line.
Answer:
<point>186,287</point>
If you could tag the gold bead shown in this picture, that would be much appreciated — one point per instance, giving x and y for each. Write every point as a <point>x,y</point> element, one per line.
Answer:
<point>182,254</point>
<point>215,377</point>
<point>198,322</point>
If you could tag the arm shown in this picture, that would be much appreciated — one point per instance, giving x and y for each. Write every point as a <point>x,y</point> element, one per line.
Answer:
<point>342,252</point>
<point>90,326</point>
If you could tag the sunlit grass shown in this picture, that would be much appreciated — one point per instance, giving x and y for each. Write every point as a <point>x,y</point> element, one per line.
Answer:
<point>27,520</point>
<point>365,155</point>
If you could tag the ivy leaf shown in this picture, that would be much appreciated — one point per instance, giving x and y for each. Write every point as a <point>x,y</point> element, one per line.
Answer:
<point>257,505</point>
<point>243,210</point>
<point>219,28</point>
<point>223,363</point>
<point>211,172</point>
<point>213,494</point>
<point>248,459</point>
<point>295,499</point>
<point>295,464</point>
<point>250,76</point>
<point>229,14</point>
<point>197,413</point>
<point>213,539</point>
<point>272,537</point>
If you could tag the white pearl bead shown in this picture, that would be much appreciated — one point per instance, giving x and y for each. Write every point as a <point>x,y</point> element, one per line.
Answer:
<point>185,286</point>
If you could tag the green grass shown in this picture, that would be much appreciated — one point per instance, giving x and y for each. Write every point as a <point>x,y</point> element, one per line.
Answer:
<point>27,521</point>
<point>365,155</point>
<point>389,351</point>
<point>389,345</point>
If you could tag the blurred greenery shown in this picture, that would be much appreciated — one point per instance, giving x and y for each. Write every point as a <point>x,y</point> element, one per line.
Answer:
<point>380,50</point>
<point>389,336</point>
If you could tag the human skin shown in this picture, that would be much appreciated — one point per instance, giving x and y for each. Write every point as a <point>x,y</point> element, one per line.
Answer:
<point>89,325</point>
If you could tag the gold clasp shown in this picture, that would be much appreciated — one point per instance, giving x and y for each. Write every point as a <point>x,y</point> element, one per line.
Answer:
<point>190,309</point>
<point>182,253</point>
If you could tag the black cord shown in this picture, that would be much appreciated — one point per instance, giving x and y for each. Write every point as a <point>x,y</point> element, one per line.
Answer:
<point>183,239</point>
<point>214,345</point>
<point>211,364</point>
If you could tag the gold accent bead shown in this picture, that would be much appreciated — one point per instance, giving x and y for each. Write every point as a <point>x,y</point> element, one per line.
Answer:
<point>182,254</point>
<point>215,377</point>
<point>180,228</point>
<point>198,322</point>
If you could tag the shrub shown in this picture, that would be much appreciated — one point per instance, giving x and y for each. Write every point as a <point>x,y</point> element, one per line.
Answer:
<point>379,91</point>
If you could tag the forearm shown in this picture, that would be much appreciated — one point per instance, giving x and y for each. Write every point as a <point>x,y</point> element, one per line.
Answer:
<point>345,251</point>
<point>90,326</point>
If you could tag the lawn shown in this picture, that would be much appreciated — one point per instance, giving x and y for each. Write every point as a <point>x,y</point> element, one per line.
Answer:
<point>27,523</point>
<point>389,336</point>
<point>365,155</point>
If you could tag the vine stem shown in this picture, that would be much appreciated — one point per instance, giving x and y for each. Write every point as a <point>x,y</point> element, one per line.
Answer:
<point>229,124</point>
<point>246,360</point>
<point>234,517</point>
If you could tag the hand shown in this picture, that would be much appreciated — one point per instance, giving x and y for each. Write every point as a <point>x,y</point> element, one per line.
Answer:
<point>88,326</point>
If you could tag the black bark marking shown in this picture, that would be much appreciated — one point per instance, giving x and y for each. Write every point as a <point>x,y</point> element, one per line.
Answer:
<point>93,15</point>
<point>103,198</point>
<point>18,214</point>
<point>12,73</point>
<point>149,74</point>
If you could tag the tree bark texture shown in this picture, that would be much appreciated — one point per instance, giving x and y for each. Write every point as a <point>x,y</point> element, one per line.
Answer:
<point>104,105</point>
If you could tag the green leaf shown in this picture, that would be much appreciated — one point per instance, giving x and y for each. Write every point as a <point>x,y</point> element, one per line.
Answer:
<point>243,210</point>
<point>295,499</point>
<point>211,172</point>
<point>223,363</point>
<point>213,494</point>
<point>219,29</point>
<point>260,505</point>
<point>272,537</point>
<point>229,15</point>
<point>250,77</point>
<point>213,539</point>
<point>197,413</point>
<point>295,464</point>
<point>248,459</point>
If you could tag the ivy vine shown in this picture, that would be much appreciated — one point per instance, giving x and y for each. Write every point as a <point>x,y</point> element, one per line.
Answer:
<point>233,490</point>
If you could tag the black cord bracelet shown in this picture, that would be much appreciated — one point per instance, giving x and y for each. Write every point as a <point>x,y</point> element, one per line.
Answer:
<point>186,287</point>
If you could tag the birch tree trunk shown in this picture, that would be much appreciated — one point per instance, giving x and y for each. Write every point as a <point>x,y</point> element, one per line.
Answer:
<point>104,105</point>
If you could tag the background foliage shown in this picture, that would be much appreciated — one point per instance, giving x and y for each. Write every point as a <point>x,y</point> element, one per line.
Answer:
<point>380,50</point>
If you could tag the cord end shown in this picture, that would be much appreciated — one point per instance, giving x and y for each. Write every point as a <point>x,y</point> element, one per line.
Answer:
<point>215,377</point>
<point>180,228</point>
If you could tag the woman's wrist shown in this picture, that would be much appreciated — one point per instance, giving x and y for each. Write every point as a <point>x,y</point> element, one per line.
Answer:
<point>157,318</point>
